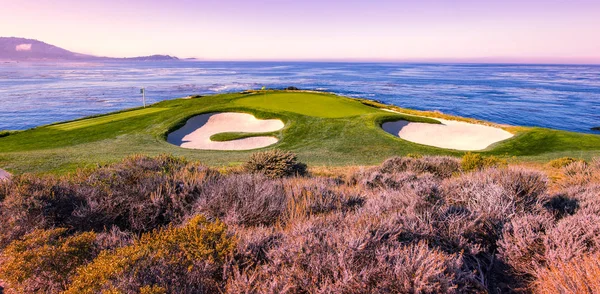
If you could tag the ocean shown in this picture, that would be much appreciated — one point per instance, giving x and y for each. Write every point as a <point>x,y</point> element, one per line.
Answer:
<point>565,97</point>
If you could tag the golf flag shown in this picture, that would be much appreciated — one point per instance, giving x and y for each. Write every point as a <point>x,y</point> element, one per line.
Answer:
<point>264,88</point>
<point>142,91</point>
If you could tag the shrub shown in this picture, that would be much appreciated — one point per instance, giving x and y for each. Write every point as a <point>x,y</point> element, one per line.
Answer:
<point>327,255</point>
<point>44,260</point>
<point>254,244</point>
<point>35,203</point>
<point>247,200</point>
<point>562,162</point>
<point>187,259</point>
<point>403,191</point>
<point>440,166</point>
<point>114,238</point>
<point>4,133</point>
<point>275,164</point>
<point>475,161</point>
<point>586,199</point>
<point>522,243</point>
<point>573,236</point>
<point>139,194</point>
<point>579,275</point>
<point>501,193</point>
<point>413,224</point>
<point>561,205</point>
<point>581,173</point>
<point>314,196</point>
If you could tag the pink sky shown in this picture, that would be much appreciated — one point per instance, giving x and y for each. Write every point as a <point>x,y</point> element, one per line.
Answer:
<point>429,30</point>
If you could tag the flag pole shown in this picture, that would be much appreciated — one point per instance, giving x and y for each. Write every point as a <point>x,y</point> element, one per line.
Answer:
<point>143,90</point>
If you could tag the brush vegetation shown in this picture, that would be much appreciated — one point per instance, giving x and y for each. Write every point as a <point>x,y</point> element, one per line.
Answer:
<point>419,224</point>
<point>322,129</point>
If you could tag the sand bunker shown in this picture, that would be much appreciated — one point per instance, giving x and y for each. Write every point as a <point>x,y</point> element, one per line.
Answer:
<point>197,131</point>
<point>4,175</point>
<point>449,135</point>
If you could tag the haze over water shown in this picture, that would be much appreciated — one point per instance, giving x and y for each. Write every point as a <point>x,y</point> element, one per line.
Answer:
<point>563,97</point>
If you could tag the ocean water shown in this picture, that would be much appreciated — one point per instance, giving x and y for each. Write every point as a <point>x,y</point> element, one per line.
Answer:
<point>565,97</point>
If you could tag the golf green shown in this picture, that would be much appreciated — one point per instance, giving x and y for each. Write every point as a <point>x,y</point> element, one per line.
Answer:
<point>323,129</point>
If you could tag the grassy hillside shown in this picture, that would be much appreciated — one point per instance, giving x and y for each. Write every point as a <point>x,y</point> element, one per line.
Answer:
<point>323,129</point>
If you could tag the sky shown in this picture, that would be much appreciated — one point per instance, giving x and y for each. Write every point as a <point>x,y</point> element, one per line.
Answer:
<point>554,31</point>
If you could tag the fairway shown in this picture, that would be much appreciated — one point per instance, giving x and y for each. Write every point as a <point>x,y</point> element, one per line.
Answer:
<point>323,129</point>
<point>83,123</point>
<point>311,104</point>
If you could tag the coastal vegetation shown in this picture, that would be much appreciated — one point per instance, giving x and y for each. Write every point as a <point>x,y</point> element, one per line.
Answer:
<point>322,129</point>
<point>418,224</point>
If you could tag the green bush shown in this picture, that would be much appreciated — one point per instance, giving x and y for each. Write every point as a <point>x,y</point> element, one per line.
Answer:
<point>5,133</point>
<point>275,164</point>
<point>562,162</point>
<point>475,161</point>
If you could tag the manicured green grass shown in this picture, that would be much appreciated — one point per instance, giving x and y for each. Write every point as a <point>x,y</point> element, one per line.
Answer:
<point>222,137</point>
<point>323,129</point>
<point>83,123</point>
<point>312,104</point>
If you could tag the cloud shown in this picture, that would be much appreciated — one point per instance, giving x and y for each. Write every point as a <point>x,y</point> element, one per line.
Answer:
<point>23,47</point>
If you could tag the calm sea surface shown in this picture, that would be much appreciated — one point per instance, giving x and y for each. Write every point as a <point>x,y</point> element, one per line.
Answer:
<point>564,97</point>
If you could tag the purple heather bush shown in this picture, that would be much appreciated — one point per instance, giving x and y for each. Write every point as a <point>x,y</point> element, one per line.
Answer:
<point>411,225</point>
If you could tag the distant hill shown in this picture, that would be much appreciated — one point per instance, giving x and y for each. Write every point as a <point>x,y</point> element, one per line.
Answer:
<point>21,49</point>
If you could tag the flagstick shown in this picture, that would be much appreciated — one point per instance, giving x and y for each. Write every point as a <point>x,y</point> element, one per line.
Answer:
<point>144,96</point>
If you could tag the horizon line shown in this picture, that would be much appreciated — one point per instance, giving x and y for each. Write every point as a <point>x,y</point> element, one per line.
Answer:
<point>542,60</point>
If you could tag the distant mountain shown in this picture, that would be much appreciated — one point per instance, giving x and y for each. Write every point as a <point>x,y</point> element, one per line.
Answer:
<point>21,49</point>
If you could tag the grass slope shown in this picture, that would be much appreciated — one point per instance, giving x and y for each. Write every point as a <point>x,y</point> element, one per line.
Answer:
<point>223,137</point>
<point>323,129</point>
<point>83,123</point>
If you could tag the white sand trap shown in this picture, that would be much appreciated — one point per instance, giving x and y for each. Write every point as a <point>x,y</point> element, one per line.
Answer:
<point>4,175</point>
<point>449,135</point>
<point>197,131</point>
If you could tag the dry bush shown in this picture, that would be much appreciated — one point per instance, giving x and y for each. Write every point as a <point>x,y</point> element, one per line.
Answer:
<point>187,259</point>
<point>327,255</point>
<point>522,244</point>
<point>413,224</point>
<point>440,166</point>
<point>400,180</point>
<point>498,192</point>
<point>560,205</point>
<point>410,192</point>
<point>579,275</point>
<point>573,236</point>
<point>587,198</point>
<point>33,202</point>
<point>581,173</point>
<point>140,193</point>
<point>245,199</point>
<point>275,164</point>
<point>43,261</point>
<point>386,202</point>
<point>306,197</point>
<point>253,245</point>
<point>114,238</point>
<point>475,161</point>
